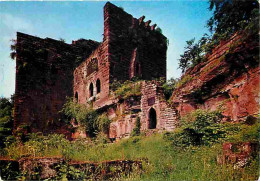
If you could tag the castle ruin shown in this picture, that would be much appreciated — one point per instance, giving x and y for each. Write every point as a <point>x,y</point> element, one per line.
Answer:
<point>48,71</point>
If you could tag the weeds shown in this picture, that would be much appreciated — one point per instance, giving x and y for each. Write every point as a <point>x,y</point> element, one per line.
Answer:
<point>163,159</point>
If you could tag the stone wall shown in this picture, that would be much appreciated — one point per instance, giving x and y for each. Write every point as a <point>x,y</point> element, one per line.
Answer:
<point>228,80</point>
<point>42,168</point>
<point>44,78</point>
<point>123,116</point>
<point>152,98</point>
<point>84,82</point>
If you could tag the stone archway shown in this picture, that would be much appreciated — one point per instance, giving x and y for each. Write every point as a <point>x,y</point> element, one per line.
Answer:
<point>76,97</point>
<point>152,119</point>
<point>91,90</point>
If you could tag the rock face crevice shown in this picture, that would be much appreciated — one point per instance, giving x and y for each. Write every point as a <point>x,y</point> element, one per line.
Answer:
<point>228,80</point>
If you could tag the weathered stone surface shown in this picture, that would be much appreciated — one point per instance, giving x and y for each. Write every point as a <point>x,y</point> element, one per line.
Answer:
<point>238,154</point>
<point>42,167</point>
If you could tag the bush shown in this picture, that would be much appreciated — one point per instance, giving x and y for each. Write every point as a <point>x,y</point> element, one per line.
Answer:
<point>168,87</point>
<point>102,138</point>
<point>203,127</point>
<point>185,79</point>
<point>84,115</point>
<point>87,117</point>
<point>199,128</point>
<point>6,119</point>
<point>127,89</point>
<point>103,123</point>
<point>136,130</point>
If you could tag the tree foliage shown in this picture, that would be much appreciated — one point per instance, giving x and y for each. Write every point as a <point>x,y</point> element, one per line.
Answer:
<point>229,17</point>
<point>193,54</point>
<point>168,87</point>
<point>6,119</point>
<point>13,49</point>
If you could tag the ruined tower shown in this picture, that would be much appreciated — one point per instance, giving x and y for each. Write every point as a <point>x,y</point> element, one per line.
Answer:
<point>48,71</point>
<point>130,48</point>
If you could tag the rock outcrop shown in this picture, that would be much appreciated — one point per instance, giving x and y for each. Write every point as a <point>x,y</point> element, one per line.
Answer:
<point>227,80</point>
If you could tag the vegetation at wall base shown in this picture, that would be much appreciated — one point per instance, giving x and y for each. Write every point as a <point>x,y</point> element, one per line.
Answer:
<point>174,155</point>
<point>6,119</point>
<point>85,117</point>
<point>137,129</point>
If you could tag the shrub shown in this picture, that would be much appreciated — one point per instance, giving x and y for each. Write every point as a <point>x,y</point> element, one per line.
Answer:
<point>183,81</point>
<point>136,130</point>
<point>6,119</point>
<point>103,123</point>
<point>102,138</point>
<point>203,127</point>
<point>199,128</point>
<point>87,117</point>
<point>84,114</point>
<point>168,88</point>
<point>127,89</point>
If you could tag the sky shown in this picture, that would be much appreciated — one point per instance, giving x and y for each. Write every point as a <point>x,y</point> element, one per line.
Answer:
<point>179,20</point>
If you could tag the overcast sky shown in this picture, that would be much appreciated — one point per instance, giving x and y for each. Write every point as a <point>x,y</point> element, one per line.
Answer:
<point>179,20</point>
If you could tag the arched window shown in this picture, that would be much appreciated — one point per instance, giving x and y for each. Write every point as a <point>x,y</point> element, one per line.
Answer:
<point>98,86</point>
<point>91,88</point>
<point>152,119</point>
<point>76,97</point>
<point>92,66</point>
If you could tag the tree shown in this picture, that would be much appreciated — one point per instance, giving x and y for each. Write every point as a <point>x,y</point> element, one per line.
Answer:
<point>168,88</point>
<point>193,55</point>
<point>13,49</point>
<point>6,119</point>
<point>230,16</point>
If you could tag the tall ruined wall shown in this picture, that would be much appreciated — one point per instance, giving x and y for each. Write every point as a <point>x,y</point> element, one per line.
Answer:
<point>83,79</point>
<point>228,80</point>
<point>44,77</point>
<point>135,48</point>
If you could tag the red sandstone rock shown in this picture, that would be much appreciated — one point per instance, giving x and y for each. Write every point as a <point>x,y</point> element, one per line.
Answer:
<point>226,80</point>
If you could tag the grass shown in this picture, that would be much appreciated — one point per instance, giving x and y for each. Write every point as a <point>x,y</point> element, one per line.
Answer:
<point>165,162</point>
<point>162,158</point>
